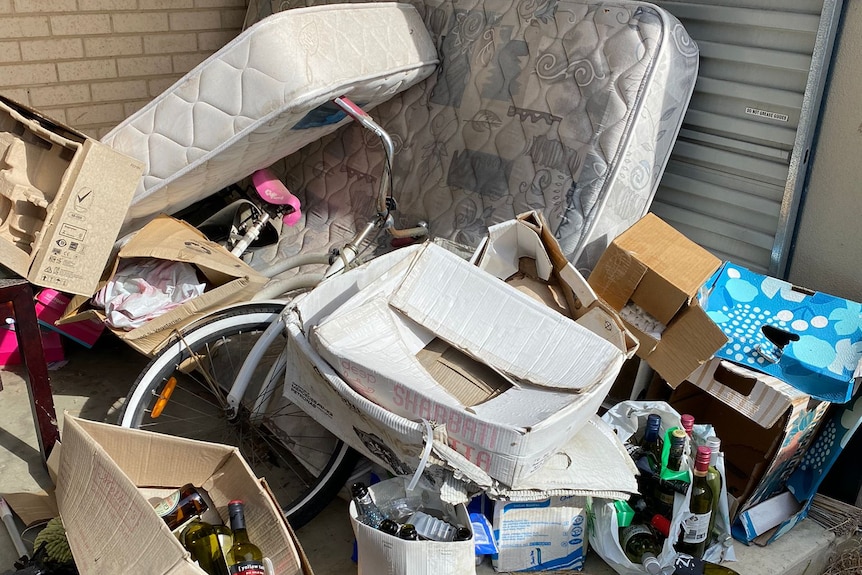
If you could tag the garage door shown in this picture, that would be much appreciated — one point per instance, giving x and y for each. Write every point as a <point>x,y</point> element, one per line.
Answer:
<point>734,180</point>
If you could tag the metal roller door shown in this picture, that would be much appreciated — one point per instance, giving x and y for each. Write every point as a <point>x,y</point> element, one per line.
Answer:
<point>734,180</point>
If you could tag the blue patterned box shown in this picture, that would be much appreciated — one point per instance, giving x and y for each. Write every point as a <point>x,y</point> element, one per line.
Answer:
<point>824,331</point>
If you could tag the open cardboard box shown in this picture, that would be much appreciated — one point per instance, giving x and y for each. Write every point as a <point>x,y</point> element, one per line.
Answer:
<point>111,526</point>
<point>229,280</point>
<point>520,377</point>
<point>63,198</point>
<point>658,269</point>
<point>498,458</point>
<point>765,426</point>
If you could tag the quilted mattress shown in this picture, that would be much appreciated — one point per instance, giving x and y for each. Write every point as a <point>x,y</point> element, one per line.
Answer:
<point>260,98</point>
<point>569,107</point>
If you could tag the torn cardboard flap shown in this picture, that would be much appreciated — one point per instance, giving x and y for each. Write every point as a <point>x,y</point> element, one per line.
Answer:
<point>503,254</point>
<point>230,280</point>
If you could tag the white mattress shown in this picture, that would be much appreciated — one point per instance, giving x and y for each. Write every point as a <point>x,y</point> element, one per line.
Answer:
<point>259,98</point>
<point>569,107</point>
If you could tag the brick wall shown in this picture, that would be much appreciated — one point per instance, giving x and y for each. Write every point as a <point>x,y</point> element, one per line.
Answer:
<point>92,63</point>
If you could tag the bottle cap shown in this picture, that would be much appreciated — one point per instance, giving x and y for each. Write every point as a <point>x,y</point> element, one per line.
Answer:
<point>651,564</point>
<point>687,422</point>
<point>358,489</point>
<point>661,524</point>
<point>702,459</point>
<point>653,421</point>
<point>713,443</point>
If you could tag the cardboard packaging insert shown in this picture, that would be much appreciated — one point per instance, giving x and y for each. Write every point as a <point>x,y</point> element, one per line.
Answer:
<point>63,198</point>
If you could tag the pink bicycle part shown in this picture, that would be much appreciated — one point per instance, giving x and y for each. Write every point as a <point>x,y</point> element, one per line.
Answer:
<point>273,191</point>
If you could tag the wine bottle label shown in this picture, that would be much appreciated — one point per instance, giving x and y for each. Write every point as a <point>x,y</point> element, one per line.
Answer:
<point>696,528</point>
<point>168,504</point>
<point>247,568</point>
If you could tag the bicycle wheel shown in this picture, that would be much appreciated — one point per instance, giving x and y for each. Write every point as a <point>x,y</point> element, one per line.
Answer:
<point>304,464</point>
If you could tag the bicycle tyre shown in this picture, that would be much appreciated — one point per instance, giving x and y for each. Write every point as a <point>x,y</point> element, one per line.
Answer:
<point>197,394</point>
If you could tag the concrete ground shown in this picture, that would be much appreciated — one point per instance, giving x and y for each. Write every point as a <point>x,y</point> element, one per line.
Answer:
<point>94,382</point>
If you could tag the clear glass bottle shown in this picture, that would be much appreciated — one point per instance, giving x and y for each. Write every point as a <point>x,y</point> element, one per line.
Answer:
<point>366,509</point>
<point>713,478</point>
<point>244,558</point>
<point>695,529</point>
<point>181,505</point>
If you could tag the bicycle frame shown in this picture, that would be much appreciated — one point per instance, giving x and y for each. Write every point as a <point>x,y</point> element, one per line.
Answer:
<point>338,263</point>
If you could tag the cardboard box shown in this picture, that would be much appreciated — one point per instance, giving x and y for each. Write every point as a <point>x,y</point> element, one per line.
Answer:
<point>656,268</point>
<point>823,345</point>
<point>545,535</point>
<point>50,307</point>
<point>229,280</point>
<point>530,461</point>
<point>765,426</point>
<point>379,552</point>
<point>111,526</point>
<point>63,198</point>
<point>514,377</point>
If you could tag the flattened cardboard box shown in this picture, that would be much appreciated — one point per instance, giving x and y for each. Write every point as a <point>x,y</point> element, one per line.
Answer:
<point>657,268</point>
<point>229,280</point>
<point>111,526</point>
<point>63,197</point>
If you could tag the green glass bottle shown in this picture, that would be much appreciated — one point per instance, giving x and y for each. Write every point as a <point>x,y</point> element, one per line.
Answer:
<point>245,557</point>
<point>676,453</point>
<point>641,545</point>
<point>651,441</point>
<point>695,529</point>
<point>209,545</point>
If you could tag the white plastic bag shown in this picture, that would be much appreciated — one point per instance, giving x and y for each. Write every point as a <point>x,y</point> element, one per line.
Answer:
<point>626,418</point>
<point>142,289</point>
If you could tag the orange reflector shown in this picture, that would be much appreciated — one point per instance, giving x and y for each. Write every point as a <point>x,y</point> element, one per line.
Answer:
<point>164,396</point>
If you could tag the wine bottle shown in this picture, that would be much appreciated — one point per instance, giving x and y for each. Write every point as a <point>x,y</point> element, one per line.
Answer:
<point>676,453</point>
<point>687,565</point>
<point>651,441</point>
<point>180,506</point>
<point>244,557</point>
<point>389,527</point>
<point>641,546</point>
<point>366,510</point>
<point>695,529</point>
<point>408,532</point>
<point>209,545</point>
<point>687,421</point>
<point>713,478</point>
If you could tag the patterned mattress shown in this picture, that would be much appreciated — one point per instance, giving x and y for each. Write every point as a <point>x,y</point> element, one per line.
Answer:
<point>259,98</point>
<point>569,107</point>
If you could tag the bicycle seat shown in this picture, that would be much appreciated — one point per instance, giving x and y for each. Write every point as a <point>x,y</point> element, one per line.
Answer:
<point>259,98</point>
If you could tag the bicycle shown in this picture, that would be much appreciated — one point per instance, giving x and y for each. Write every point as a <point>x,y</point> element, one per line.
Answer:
<point>221,380</point>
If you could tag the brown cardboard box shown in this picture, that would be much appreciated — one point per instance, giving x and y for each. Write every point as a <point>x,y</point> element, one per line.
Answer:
<point>229,280</point>
<point>765,425</point>
<point>63,198</point>
<point>655,267</point>
<point>111,526</point>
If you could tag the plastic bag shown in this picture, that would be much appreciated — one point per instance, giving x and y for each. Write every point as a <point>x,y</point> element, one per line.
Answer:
<point>626,418</point>
<point>142,289</point>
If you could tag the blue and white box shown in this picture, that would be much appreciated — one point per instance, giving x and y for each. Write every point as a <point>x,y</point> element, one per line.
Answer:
<point>816,339</point>
<point>545,535</point>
